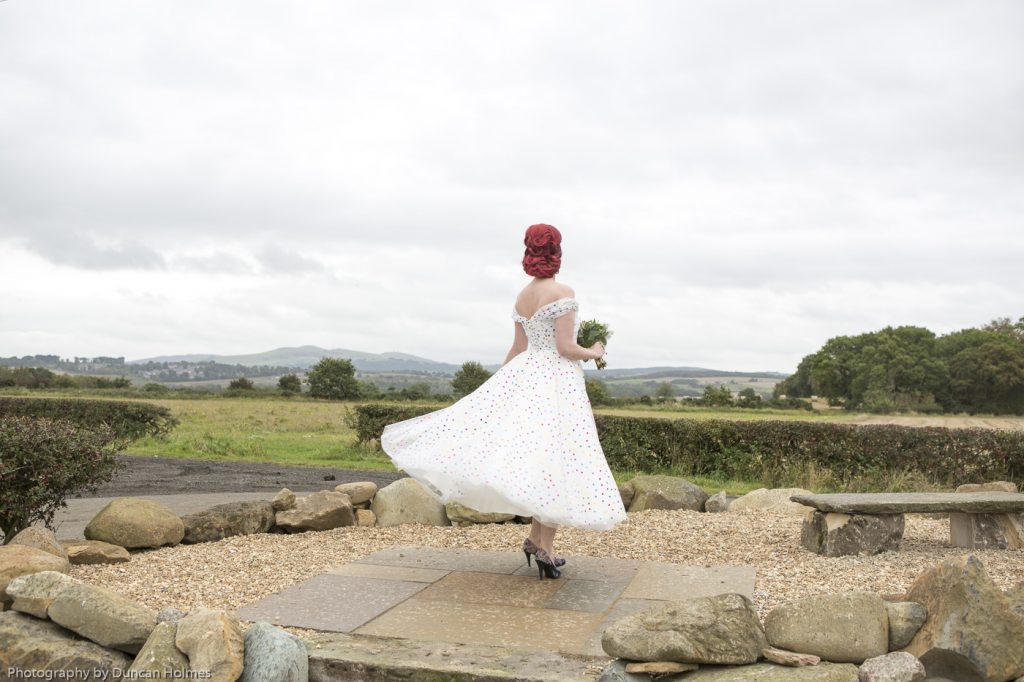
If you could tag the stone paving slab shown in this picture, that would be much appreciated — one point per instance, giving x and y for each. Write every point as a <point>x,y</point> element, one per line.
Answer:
<point>900,503</point>
<point>487,598</point>
<point>338,603</point>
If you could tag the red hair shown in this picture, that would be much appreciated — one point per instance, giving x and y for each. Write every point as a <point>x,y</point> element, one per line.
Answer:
<point>543,255</point>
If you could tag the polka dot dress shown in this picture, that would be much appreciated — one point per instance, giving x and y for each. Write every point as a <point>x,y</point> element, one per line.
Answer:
<point>523,443</point>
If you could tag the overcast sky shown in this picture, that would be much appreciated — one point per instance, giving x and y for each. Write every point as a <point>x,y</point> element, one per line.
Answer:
<point>736,182</point>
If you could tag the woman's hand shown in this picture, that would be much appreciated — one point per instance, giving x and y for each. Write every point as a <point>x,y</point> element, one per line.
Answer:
<point>599,349</point>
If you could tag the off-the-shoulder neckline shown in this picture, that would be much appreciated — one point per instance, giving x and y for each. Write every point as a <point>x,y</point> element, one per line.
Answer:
<point>537,312</point>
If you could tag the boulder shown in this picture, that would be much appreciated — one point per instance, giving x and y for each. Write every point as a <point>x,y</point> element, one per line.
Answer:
<point>790,658</point>
<point>626,492</point>
<point>159,657</point>
<point>365,518</point>
<point>40,538</point>
<point>360,492</point>
<point>102,615</point>
<point>273,655</point>
<point>905,619</point>
<point>990,487</point>
<point>723,629</point>
<point>968,615</point>
<point>18,560</point>
<point>226,520</point>
<point>717,503</point>
<point>986,531</point>
<point>461,515</point>
<point>843,628</point>
<point>283,500</point>
<point>407,501</point>
<point>95,552</point>
<point>321,510</point>
<point>773,500</point>
<point>836,534</point>
<point>769,672</point>
<point>898,666</point>
<point>213,642</point>
<point>132,523</point>
<point>33,593</point>
<point>943,664</point>
<point>665,492</point>
<point>46,648</point>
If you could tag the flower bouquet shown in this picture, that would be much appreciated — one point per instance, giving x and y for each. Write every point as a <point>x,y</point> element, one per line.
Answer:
<point>592,331</point>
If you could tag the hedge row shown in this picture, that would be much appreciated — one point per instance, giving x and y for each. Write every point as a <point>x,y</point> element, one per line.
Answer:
<point>42,461</point>
<point>785,452</point>
<point>127,420</point>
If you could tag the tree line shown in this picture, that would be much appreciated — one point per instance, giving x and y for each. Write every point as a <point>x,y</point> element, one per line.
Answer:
<point>975,370</point>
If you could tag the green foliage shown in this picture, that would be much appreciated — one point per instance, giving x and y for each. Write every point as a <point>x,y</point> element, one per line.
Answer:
<point>42,461</point>
<point>468,378</point>
<point>241,384</point>
<point>592,331</point>
<point>290,384</point>
<point>597,392</point>
<point>333,379</point>
<point>748,397</point>
<point>717,396</point>
<point>41,378</point>
<point>665,391</point>
<point>782,453</point>
<point>900,369</point>
<point>127,420</point>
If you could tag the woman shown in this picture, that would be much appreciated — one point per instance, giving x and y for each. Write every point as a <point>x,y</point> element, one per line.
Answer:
<point>524,442</point>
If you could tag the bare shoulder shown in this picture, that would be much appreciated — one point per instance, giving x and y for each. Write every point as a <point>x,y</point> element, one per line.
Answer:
<point>565,290</point>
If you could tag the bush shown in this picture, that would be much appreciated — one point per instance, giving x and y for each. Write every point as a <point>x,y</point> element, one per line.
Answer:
<point>290,384</point>
<point>241,384</point>
<point>780,453</point>
<point>42,461</point>
<point>128,420</point>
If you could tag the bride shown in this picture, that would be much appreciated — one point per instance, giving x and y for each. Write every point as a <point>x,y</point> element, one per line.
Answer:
<point>524,442</point>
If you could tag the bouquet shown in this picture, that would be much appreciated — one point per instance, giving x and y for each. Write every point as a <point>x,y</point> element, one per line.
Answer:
<point>590,333</point>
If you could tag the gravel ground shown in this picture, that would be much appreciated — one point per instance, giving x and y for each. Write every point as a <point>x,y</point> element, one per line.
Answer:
<point>240,570</point>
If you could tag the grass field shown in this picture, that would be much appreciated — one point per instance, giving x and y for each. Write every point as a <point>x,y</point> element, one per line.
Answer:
<point>315,433</point>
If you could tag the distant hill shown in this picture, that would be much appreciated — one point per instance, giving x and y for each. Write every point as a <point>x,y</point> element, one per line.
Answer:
<point>303,357</point>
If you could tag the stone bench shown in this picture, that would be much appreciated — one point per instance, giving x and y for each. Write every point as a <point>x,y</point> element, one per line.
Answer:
<point>869,523</point>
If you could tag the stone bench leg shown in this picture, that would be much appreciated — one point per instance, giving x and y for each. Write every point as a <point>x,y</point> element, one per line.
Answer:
<point>832,534</point>
<point>986,531</point>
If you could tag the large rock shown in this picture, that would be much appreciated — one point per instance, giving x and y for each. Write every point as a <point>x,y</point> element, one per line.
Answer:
<point>898,666</point>
<point>33,593</point>
<point>769,672</point>
<point>774,500</point>
<point>986,531</point>
<point>717,503</point>
<point>836,534</point>
<point>990,487</point>
<point>18,560</point>
<point>40,538</point>
<point>970,616</point>
<point>905,619</point>
<point>407,501</point>
<point>285,499</point>
<point>226,520</point>
<point>95,552</point>
<point>843,628</point>
<point>723,629</point>
<point>160,657</point>
<point>626,492</point>
<point>942,664</point>
<point>132,522</point>
<point>461,515</point>
<point>213,642</point>
<point>102,615</point>
<point>273,655</point>
<point>41,646</point>
<point>365,518</point>
<point>322,510</point>
<point>665,492</point>
<point>359,492</point>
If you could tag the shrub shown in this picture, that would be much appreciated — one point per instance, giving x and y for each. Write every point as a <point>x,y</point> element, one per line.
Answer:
<point>780,453</point>
<point>290,384</point>
<point>42,461</point>
<point>241,384</point>
<point>128,420</point>
<point>468,378</point>
<point>334,379</point>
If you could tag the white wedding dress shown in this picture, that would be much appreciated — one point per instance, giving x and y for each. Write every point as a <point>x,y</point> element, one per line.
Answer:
<point>523,443</point>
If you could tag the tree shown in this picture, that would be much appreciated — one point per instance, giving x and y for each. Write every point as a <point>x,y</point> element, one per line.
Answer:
<point>241,384</point>
<point>597,392</point>
<point>333,379</point>
<point>665,391</point>
<point>748,397</point>
<point>990,377</point>
<point>468,378</point>
<point>717,396</point>
<point>290,384</point>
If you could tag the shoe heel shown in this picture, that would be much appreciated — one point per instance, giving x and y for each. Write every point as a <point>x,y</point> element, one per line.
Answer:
<point>527,557</point>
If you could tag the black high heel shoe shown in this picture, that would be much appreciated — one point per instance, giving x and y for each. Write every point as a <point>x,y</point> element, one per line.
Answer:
<point>530,548</point>
<point>545,565</point>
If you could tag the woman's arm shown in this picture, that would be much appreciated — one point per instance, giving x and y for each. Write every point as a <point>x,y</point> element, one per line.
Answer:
<point>519,343</point>
<point>565,340</point>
